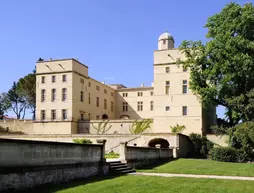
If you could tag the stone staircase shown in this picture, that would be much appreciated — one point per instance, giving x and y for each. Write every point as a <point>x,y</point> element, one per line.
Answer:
<point>119,168</point>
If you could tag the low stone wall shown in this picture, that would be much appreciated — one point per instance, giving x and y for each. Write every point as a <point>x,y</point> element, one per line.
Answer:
<point>25,164</point>
<point>24,126</point>
<point>138,157</point>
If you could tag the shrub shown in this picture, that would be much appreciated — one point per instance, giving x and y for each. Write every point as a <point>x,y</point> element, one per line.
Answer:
<point>82,141</point>
<point>242,137</point>
<point>112,155</point>
<point>227,154</point>
<point>177,128</point>
<point>202,145</point>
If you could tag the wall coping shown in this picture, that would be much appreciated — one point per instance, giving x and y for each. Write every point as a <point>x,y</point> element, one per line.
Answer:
<point>22,141</point>
<point>85,135</point>
<point>143,147</point>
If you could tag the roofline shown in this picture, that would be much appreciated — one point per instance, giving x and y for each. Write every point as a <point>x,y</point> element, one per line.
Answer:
<point>63,60</point>
<point>137,88</point>
<point>166,49</point>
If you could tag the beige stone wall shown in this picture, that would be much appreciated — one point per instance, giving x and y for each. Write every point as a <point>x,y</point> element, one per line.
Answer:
<point>53,128</point>
<point>132,99</point>
<point>116,126</point>
<point>218,140</point>
<point>175,99</point>
<point>24,126</point>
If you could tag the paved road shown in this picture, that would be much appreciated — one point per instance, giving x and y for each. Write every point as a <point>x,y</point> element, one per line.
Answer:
<point>194,176</point>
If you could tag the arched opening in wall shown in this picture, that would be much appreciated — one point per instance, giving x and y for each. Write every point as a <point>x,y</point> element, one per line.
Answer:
<point>105,117</point>
<point>124,117</point>
<point>158,141</point>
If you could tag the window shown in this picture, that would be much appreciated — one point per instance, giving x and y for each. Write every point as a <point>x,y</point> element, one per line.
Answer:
<point>97,117</point>
<point>89,84</point>
<point>105,104</point>
<point>164,41</point>
<point>53,114</point>
<point>82,81</point>
<point>185,85</point>
<point>97,102</point>
<point>184,110</point>
<point>89,98</point>
<point>64,78</point>
<point>43,95</point>
<point>151,93</point>
<point>140,93</point>
<point>97,88</point>
<point>112,106</point>
<point>81,96</point>
<point>105,91</point>
<point>43,79</point>
<point>125,94</point>
<point>125,106</point>
<point>53,78</point>
<point>112,94</point>
<point>167,69</point>
<point>167,87</point>
<point>151,105</point>
<point>64,94</point>
<point>43,115</point>
<point>140,106</point>
<point>81,116</point>
<point>167,108</point>
<point>64,114</point>
<point>53,95</point>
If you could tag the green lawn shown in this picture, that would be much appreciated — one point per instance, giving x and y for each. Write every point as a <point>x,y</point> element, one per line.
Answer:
<point>196,166</point>
<point>149,184</point>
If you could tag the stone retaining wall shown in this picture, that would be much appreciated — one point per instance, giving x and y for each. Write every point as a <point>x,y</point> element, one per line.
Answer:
<point>142,156</point>
<point>25,164</point>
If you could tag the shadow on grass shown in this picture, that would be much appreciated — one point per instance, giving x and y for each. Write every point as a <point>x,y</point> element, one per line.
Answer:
<point>152,166</point>
<point>51,188</point>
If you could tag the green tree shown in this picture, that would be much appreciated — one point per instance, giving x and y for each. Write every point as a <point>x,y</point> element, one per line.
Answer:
<point>26,88</point>
<point>4,105</point>
<point>16,102</point>
<point>222,70</point>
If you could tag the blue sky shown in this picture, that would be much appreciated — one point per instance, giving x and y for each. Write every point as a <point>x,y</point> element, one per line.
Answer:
<point>114,38</point>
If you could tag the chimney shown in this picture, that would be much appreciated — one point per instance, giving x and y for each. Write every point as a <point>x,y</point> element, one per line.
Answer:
<point>142,85</point>
<point>103,82</point>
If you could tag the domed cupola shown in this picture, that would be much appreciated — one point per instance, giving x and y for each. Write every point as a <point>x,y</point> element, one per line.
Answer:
<point>166,41</point>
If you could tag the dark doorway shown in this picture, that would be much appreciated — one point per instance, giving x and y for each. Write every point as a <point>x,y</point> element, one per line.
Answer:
<point>159,141</point>
<point>104,116</point>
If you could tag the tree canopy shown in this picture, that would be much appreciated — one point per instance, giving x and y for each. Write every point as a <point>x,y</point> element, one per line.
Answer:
<point>222,70</point>
<point>27,90</point>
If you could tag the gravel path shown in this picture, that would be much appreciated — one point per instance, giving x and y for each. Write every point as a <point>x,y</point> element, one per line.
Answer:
<point>194,176</point>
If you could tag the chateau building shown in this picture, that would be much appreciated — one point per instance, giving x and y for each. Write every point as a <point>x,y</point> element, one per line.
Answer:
<point>66,95</point>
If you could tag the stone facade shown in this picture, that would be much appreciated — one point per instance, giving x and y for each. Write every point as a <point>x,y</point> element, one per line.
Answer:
<point>66,95</point>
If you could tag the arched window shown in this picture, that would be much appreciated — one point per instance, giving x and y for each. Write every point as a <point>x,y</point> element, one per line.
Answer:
<point>105,117</point>
<point>124,117</point>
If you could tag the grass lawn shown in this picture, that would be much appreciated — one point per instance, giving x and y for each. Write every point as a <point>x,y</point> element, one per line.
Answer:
<point>198,166</point>
<point>149,184</point>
